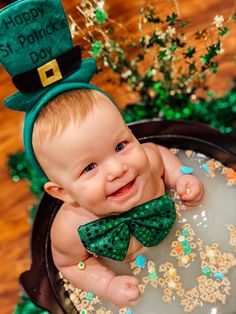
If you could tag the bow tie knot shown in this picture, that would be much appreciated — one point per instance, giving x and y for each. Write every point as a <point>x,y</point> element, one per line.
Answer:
<point>149,223</point>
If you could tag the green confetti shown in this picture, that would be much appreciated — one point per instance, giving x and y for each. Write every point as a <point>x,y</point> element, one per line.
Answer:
<point>171,19</point>
<point>224,31</point>
<point>97,46</point>
<point>100,16</point>
<point>190,52</point>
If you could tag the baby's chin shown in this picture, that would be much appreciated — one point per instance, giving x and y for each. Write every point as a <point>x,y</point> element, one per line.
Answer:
<point>112,211</point>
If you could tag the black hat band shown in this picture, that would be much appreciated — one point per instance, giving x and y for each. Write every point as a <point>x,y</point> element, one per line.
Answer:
<point>50,72</point>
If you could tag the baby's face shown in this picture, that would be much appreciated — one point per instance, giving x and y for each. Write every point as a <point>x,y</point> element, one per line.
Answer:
<point>98,162</point>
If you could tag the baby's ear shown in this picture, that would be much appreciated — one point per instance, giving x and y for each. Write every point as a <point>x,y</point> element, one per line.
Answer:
<point>58,192</point>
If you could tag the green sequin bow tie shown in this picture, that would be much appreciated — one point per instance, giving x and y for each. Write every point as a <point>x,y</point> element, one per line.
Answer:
<point>149,223</point>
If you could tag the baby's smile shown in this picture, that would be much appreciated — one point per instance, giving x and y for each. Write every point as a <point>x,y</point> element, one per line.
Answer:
<point>125,190</point>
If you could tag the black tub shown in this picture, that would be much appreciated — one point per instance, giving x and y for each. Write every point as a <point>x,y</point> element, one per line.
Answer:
<point>40,282</point>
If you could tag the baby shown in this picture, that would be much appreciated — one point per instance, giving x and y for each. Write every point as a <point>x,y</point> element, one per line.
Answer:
<point>98,168</point>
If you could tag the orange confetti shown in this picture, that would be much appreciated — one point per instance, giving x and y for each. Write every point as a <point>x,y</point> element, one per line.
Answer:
<point>178,248</point>
<point>212,166</point>
<point>230,173</point>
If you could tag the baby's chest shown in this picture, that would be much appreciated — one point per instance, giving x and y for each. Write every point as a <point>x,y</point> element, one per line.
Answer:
<point>134,248</point>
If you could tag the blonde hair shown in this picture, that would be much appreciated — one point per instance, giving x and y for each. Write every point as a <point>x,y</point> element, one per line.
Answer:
<point>73,105</point>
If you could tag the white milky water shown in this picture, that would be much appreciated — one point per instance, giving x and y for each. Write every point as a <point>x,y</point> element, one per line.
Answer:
<point>209,221</point>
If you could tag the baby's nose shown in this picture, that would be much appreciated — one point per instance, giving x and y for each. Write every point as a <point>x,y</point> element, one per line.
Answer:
<point>115,170</point>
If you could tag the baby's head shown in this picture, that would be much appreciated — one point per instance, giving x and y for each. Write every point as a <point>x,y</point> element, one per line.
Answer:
<point>88,153</point>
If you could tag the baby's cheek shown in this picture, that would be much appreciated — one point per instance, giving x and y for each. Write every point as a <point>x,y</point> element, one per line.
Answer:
<point>142,161</point>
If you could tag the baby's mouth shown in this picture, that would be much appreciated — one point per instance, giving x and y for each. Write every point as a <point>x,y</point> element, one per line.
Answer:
<point>124,189</point>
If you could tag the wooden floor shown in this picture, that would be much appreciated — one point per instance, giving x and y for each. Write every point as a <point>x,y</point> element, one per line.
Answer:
<point>15,197</point>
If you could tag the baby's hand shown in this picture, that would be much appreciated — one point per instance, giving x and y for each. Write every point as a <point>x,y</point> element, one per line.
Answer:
<point>123,291</point>
<point>190,189</point>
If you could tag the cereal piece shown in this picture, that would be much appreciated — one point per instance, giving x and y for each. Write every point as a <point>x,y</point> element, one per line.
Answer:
<point>184,301</point>
<point>210,253</point>
<point>230,227</point>
<point>188,308</point>
<point>226,282</point>
<point>201,279</point>
<point>169,264</point>
<point>195,292</point>
<point>72,297</point>
<point>83,295</point>
<point>154,283</point>
<point>204,296</point>
<point>166,298</point>
<point>180,292</point>
<point>174,150</point>
<point>85,303</point>
<point>193,245</point>
<point>223,270</point>
<point>145,280</point>
<point>211,174</point>
<point>199,243</point>
<point>168,291</point>
<point>161,282</point>
<point>222,298</point>
<point>215,245</point>
<point>177,278</point>
<point>162,268</point>
<point>213,269</point>
<point>178,286</point>
<point>189,153</point>
<point>79,307</point>
<point>151,264</point>
<point>181,238</point>
<point>209,281</point>
<point>231,182</point>
<point>176,196</point>
<point>201,287</point>
<point>185,259</point>
<point>172,272</point>
<point>136,271</point>
<point>218,164</point>
<point>212,298</point>
<point>141,288</point>
<point>173,253</point>
<point>227,290</point>
<point>171,284</point>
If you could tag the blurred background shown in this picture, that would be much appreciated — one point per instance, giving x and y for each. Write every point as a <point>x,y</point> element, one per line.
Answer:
<point>15,197</point>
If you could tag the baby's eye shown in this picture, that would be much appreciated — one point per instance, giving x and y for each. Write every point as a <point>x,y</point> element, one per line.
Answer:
<point>89,167</point>
<point>120,147</point>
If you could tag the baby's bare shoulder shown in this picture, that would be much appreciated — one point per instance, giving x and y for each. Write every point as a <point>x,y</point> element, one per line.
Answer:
<point>64,230</point>
<point>152,151</point>
<point>154,157</point>
<point>151,147</point>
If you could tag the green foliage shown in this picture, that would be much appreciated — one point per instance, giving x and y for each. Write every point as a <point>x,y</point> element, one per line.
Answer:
<point>176,72</point>
<point>28,307</point>
<point>20,168</point>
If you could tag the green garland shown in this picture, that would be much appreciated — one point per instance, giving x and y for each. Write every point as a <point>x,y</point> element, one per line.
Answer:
<point>219,112</point>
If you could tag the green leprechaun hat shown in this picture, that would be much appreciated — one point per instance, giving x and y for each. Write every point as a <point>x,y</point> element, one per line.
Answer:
<point>37,51</point>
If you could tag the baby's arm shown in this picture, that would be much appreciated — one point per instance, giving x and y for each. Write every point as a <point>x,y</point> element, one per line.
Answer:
<point>68,251</point>
<point>188,187</point>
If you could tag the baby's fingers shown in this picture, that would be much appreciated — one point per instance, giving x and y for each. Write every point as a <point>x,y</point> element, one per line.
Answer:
<point>192,196</point>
